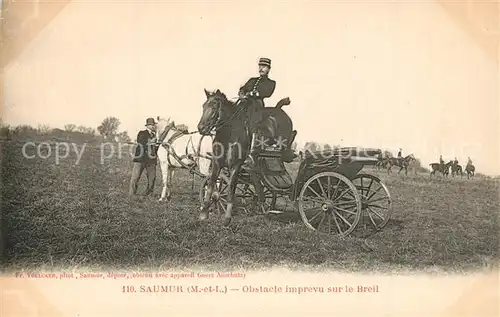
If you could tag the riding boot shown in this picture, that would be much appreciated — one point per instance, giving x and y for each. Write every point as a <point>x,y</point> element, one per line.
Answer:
<point>250,159</point>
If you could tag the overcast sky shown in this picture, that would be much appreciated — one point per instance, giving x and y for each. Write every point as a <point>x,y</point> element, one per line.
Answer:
<point>376,75</point>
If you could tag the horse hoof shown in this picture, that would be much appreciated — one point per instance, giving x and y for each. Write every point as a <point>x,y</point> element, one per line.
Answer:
<point>226,222</point>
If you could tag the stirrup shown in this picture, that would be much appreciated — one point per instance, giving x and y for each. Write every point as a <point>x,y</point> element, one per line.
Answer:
<point>249,161</point>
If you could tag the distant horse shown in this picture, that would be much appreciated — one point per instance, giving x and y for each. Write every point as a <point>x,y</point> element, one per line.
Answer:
<point>470,170</point>
<point>382,163</point>
<point>180,149</point>
<point>231,144</point>
<point>402,164</point>
<point>443,169</point>
<point>456,169</point>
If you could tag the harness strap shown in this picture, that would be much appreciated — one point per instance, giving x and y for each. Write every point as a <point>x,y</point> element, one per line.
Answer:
<point>171,151</point>
<point>220,124</point>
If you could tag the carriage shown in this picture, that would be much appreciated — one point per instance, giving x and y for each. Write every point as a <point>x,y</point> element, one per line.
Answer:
<point>330,191</point>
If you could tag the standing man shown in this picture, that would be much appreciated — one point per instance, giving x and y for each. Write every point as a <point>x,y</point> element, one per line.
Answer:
<point>145,158</point>
<point>258,88</point>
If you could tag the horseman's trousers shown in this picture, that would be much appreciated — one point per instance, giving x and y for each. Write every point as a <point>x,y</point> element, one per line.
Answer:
<point>254,115</point>
<point>137,170</point>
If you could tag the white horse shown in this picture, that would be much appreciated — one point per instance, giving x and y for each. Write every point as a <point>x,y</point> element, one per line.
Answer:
<point>180,149</point>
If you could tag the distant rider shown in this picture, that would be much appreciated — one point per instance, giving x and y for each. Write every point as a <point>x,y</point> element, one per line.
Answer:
<point>441,162</point>
<point>400,157</point>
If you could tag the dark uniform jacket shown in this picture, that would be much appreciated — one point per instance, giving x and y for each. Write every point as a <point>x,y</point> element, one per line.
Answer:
<point>146,149</point>
<point>265,88</point>
<point>263,85</point>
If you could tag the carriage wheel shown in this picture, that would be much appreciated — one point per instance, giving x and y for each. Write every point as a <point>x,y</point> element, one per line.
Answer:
<point>219,196</point>
<point>329,202</point>
<point>244,195</point>
<point>376,200</point>
<point>250,198</point>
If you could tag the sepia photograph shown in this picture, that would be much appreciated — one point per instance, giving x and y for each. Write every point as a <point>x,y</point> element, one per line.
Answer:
<point>232,152</point>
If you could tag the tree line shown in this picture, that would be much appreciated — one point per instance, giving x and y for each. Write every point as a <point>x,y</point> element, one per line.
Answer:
<point>107,131</point>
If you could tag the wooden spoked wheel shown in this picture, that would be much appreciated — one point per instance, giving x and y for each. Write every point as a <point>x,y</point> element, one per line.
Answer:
<point>219,195</point>
<point>251,198</point>
<point>376,200</point>
<point>330,203</point>
<point>245,196</point>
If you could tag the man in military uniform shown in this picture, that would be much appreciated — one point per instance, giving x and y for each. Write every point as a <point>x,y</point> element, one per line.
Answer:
<point>145,158</point>
<point>257,88</point>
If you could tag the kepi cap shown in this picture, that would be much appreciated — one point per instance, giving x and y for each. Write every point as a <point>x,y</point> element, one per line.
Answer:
<point>265,61</point>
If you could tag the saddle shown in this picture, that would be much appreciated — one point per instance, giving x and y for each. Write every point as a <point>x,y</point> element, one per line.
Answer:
<point>276,127</point>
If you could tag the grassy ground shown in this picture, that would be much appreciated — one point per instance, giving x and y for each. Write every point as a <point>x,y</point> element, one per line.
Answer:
<point>80,216</point>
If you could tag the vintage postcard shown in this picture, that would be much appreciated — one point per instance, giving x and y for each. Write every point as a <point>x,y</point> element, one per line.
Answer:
<point>250,158</point>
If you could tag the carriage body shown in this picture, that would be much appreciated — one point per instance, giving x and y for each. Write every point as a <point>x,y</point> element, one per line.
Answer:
<point>333,174</point>
<point>347,161</point>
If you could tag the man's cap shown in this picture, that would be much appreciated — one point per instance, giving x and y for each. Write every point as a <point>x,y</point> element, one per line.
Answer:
<point>265,61</point>
<point>150,121</point>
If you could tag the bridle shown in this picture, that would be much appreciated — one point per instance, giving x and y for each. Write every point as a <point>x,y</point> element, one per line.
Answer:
<point>219,123</point>
<point>168,127</point>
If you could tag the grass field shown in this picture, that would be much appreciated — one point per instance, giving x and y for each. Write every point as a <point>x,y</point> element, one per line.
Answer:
<point>79,216</point>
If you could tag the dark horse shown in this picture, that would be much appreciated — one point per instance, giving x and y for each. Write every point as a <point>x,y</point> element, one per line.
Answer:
<point>456,169</point>
<point>231,143</point>
<point>443,169</point>
<point>382,163</point>
<point>403,163</point>
<point>470,170</point>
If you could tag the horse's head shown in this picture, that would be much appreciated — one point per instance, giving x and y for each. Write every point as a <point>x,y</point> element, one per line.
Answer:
<point>212,111</point>
<point>163,125</point>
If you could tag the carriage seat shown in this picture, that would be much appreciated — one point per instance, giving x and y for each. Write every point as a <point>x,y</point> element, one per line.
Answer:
<point>284,152</point>
<point>274,173</point>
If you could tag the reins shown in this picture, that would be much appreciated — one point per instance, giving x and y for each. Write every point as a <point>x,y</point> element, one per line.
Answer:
<point>170,150</point>
<point>220,123</point>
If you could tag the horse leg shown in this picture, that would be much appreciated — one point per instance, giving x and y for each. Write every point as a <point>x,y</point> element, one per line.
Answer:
<point>233,181</point>
<point>210,190</point>
<point>258,189</point>
<point>169,188</point>
<point>192,183</point>
<point>164,173</point>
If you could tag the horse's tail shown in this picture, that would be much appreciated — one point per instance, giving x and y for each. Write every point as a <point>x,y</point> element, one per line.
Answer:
<point>283,102</point>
